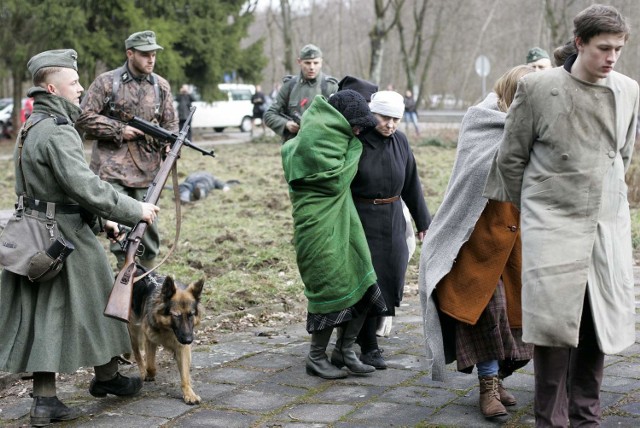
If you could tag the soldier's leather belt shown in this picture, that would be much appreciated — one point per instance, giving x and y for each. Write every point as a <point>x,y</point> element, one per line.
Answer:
<point>41,206</point>
<point>380,201</point>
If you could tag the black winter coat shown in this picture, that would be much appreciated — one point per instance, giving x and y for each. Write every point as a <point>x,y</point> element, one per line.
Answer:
<point>387,168</point>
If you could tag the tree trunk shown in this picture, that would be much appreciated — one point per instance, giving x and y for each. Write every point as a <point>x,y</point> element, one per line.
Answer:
<point>288,60</point>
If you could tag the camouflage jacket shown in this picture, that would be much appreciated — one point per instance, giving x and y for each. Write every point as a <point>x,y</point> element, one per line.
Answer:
<point>294,98</point>
<point>132,163</point>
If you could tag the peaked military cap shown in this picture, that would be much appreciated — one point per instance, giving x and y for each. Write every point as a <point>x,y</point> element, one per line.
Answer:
<point>144,41</point>
<point>65,58</point>
<point>310,52</point>
<point>535,54</point>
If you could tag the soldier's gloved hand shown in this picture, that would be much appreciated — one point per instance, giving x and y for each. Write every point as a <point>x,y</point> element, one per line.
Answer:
<point>292,127</point>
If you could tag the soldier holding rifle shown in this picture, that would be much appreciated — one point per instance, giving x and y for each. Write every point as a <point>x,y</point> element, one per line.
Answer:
<point>122,154</point>
<point>56,325</point>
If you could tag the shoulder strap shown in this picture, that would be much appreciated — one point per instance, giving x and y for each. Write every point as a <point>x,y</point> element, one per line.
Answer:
<point>121,75</point>
<point>33,120</point>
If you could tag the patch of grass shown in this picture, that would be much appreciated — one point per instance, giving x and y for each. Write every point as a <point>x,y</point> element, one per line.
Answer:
<point>241,240</point>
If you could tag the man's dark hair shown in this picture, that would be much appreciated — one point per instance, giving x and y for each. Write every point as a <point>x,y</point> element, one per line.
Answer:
<point>597,19</point>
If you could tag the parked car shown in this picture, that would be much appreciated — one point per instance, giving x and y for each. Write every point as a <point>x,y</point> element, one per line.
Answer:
<point>234,112</point>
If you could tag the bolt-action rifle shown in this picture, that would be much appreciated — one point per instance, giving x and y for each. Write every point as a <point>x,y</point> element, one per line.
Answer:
<point>119,303</point>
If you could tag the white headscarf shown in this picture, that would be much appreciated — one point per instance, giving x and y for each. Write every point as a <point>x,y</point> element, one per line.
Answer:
<point>387,103</point>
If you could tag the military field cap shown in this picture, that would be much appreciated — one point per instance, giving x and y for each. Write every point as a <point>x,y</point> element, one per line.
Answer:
<point>310,52</point>
<point>535,54</point>
<point>387,103</point>
<point>143,41</point>
<point>65,58</point>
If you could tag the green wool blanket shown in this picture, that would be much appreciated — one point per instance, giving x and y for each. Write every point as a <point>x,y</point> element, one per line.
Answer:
<point>332,252</point>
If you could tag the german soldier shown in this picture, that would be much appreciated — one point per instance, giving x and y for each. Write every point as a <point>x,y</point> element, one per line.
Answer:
<point>121,154</point>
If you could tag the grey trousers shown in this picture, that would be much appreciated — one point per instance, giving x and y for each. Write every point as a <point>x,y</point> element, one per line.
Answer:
<point>567,380</point>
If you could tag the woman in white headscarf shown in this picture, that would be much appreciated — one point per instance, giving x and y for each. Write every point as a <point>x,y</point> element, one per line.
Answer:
<point>387,175</point>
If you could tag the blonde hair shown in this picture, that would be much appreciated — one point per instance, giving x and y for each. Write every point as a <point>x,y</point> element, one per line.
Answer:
<point>505,87</point>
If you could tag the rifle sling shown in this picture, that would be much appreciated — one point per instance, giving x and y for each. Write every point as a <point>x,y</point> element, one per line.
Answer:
<point>176,193</point>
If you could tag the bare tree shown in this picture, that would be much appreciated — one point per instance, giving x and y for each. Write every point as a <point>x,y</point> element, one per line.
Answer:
<point>288,60</point>
<point>379,32</point>
<point>416,57</point>
<point>558,20</point>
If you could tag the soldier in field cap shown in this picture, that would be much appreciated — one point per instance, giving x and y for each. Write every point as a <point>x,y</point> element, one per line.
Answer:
<point>538,58</point>
<point>297,92</point>
<point>122,155</point>
<point>56,325</point>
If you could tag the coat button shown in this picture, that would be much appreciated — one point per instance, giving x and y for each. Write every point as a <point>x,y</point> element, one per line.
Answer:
<point>564,156</point>
<point>513,228</point>
<point>555,91</point>
<point>612,154</point>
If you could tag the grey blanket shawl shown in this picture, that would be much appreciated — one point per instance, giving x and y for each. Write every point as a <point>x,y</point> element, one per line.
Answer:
<point>480,135</point>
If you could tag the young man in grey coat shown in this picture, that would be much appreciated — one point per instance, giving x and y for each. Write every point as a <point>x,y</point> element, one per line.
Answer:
<point>568,141</point>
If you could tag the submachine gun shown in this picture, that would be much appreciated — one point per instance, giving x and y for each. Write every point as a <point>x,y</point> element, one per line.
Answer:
<point>119,303</point>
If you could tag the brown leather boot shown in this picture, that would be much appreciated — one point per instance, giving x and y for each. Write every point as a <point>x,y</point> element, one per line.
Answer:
<point>490,404</point>
<point>506,398</point>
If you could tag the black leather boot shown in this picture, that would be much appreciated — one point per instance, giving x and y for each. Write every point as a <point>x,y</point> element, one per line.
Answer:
<point>317,362</point>
<point>343,353</point>
<point>45,410</point>
<point>120,385</point>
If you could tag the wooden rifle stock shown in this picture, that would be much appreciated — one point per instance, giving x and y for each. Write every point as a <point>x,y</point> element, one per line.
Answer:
<point>119,303</point>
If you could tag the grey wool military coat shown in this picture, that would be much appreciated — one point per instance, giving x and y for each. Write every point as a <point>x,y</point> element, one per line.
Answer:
<point>58,325</point>
<point>562,160</point>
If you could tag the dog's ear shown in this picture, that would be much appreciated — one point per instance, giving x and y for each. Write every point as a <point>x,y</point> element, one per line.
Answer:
<point>168,288</point>
<point>196,288</point>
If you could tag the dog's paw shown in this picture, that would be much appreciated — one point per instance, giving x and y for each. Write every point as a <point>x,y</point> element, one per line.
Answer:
<point>191,398</point>
<point>149,378</point>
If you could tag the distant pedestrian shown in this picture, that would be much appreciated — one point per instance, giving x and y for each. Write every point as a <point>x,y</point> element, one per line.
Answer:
<point>259,101</point>
<point>411,112</point>
<point>185,100</point>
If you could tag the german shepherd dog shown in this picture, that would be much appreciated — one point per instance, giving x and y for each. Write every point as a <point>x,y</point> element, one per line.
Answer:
<point>165,313</point>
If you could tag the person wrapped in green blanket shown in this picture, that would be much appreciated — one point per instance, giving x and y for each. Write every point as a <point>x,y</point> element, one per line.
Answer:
<point>331,248</point>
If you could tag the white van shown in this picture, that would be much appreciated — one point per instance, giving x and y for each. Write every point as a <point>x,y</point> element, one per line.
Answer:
<point>235,112</point>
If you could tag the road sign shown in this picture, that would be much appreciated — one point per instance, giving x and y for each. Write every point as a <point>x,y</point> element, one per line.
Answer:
<point>483,66</point>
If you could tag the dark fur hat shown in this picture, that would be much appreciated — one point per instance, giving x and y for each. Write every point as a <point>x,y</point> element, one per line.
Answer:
<point>363,87</point>
<point>354,108</point>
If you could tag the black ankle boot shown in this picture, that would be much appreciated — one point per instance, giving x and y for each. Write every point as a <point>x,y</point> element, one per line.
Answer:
<point>45,410</point>
<point>120,385</point>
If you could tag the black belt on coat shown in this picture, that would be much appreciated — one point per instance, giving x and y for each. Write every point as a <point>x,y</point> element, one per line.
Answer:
<point>41,206</point>
<point>379,201</point>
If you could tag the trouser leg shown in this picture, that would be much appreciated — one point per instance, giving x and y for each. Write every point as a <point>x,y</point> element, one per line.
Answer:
<point>550,399</point>
<point>44,384</point>
<point>586,368</point>
<point>367,338</point>
<point>150,240</point>
<point>106,371</point>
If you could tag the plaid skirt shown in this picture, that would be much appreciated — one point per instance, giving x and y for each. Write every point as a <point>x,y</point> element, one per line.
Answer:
<point>372,302</point>
<point>491,338</point>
